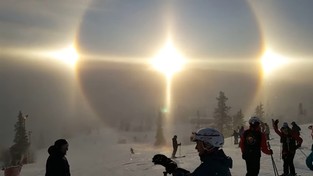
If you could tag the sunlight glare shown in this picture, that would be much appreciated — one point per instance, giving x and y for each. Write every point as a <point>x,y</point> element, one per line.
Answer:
<point>168,61</point>
<point>67,55</point>
<point>272,61</point>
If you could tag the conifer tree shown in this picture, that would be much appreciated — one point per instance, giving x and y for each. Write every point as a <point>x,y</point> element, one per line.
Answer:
<point>259,112</point>
<point>20,147</point>
<point>221,118</point>
<point>238,119</point>
<point>160,140</point>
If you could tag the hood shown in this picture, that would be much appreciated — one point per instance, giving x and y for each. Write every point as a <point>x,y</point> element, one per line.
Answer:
<point>52,150</point>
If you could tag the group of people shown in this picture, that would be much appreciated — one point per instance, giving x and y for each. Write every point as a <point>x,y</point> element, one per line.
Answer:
<point>254,141</point>
<point>209,142</point>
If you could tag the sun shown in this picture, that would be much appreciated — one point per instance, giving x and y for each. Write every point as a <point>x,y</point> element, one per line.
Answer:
<point>272,61</point>
<point>168,61</point>
<point>68,55</point>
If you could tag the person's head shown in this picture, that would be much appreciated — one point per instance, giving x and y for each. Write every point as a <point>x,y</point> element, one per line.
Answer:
<point>285,128</point>
<point>254,122</point>
<point>207,140</point>
<point>61,145</point>
<point>293,123</point>
<point>175,136</point>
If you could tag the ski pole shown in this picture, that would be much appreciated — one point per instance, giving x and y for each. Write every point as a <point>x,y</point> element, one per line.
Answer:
<point>303,153</point>
<point>273,162</point>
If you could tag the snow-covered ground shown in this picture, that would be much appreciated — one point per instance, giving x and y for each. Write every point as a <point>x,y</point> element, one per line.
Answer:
<point>99,154</point>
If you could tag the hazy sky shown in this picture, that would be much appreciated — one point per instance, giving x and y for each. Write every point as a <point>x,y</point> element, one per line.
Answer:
<point>223,40</point>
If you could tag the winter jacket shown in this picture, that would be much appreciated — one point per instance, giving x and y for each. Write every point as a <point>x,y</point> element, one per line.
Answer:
<point>214,164</point>
<point>252,142</point>
<point>174,142</point>
<point>57,164</point>
<point>290,141</point>
<point>296,129</point>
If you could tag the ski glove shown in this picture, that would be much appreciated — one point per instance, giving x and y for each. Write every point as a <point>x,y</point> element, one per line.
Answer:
<point>170,165</point>
<point>166,162</point>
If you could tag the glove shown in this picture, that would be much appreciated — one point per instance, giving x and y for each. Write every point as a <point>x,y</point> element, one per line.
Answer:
<point>170,165</point>
<point>298,146</point>
<point>275,122</point>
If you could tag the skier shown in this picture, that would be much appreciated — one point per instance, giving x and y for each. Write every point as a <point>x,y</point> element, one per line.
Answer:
<point>132,151</point>
<point>252,142</point>
<point>57,163</point>
<point>236,136</point>
<point>290,143</point>
<point>311,128</point>
<point>175,146</point>
<point>295,128</point>
<point>213,159</point>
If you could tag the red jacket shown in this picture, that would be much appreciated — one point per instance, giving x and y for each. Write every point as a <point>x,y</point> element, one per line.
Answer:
<point>249,145</point>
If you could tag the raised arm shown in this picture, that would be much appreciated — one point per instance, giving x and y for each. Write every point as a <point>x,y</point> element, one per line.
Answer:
<point>275,126</point>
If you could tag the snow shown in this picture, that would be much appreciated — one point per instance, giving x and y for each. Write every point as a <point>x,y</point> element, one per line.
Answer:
<point>99,153</point>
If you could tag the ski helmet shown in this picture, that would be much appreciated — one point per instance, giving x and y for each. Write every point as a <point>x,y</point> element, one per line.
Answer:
<point>254,120</point>
<point>209,136</point>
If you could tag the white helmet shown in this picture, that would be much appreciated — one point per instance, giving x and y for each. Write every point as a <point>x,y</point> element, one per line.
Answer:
<point>253,120</point>
<point>209,136</point>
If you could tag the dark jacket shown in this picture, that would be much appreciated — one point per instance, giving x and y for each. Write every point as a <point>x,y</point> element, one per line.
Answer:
<point>57,164</point>
<point>252,142</point>
<point>290,141</point>
<point>175,143</point>
<point>214,164</point>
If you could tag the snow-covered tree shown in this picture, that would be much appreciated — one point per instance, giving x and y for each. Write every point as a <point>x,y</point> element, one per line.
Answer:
<point>238,119</point>
<point>160,140</point>
<point>259,112</point>
<point>222,119</point>
<point>21,144</point>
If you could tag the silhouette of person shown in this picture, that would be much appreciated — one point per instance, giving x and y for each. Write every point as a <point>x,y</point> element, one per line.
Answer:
<point>175,146</point>
<point>57,164</point>
<point>252,142</point>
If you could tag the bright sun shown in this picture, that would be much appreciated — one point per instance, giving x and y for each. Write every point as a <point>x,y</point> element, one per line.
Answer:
<point>168,61</point>
<point>67,55</point>
<point>272,61</point>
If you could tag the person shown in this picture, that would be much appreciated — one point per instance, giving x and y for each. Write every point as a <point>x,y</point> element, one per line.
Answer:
<point>213,159</point>
<point>132,151</point>
<point>175,146</point>
<point>295,128</point>
<point>267,131</point>
<point>57,164</point>
<point>236,136</point>
<point>290,143</point>
<point>311,128</point>
<point>309,160</point>
<point>252,142</point>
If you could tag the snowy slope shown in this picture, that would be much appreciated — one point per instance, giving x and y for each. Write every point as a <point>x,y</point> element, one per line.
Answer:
<point>99,154</point>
